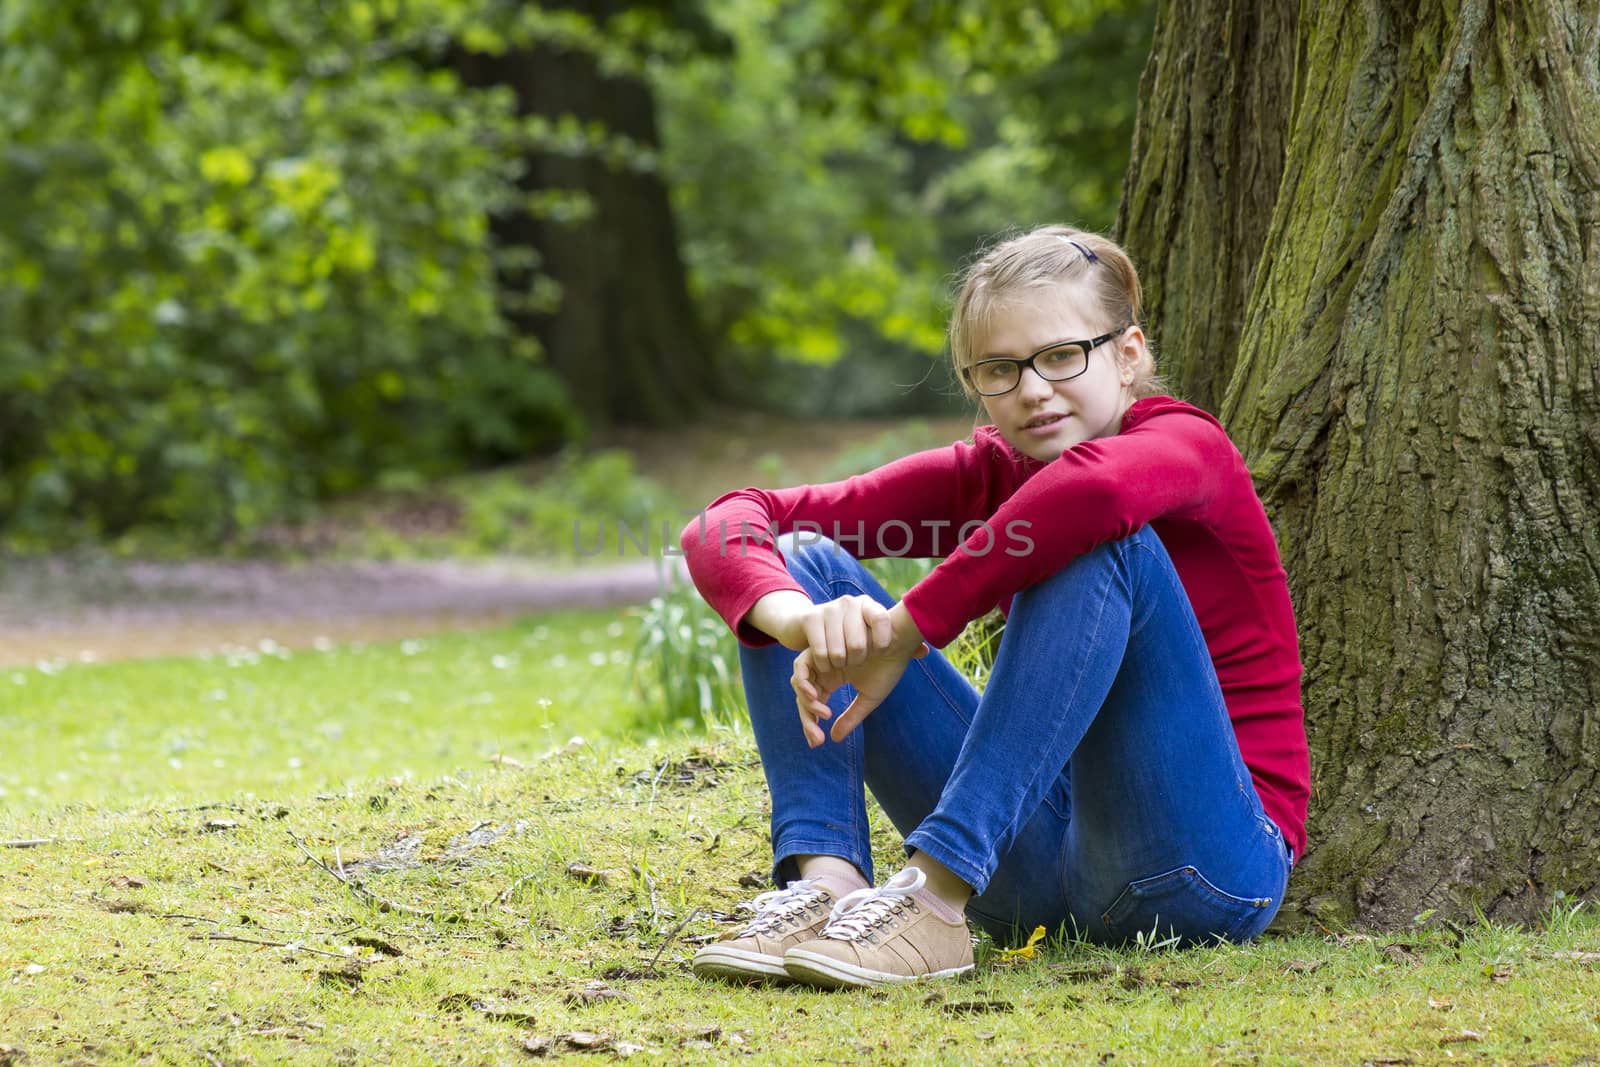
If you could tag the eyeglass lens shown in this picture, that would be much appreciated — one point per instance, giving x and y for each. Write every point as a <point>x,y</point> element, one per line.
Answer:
<point>996,376</point>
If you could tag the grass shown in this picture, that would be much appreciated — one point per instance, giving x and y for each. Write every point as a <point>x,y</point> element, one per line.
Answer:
<point>267,720</point>
<point>197,914</point>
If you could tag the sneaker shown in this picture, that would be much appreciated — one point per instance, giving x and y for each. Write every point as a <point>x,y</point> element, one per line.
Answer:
<point>784,918</point>
<point>879,936</point>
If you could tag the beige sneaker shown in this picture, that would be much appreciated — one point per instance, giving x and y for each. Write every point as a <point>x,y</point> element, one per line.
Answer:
<point>884,935</point>
<point>784,918</point>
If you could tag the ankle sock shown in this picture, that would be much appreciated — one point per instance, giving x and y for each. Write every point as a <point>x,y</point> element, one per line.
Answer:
<point>838,884</point>
<point>927,899</point>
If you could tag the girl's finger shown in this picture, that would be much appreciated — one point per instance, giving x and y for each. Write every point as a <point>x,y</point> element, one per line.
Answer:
<point>882,629</point>
<point>855,640</point>
<point>813,732</point>
<point>834,654</point>
<point>816,633</point>
<point>859,709</point>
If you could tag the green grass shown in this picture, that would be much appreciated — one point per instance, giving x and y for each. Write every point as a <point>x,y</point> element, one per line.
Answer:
<point>269,721</point>
<point>176,919</point>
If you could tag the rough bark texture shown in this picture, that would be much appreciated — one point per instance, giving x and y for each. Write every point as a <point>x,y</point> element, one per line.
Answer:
<point>1207,158</point>
<point>1417,389</point>
<point>624,337</point>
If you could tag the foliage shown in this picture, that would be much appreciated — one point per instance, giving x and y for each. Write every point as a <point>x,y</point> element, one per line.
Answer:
<point>831,172</point>
<point>686,663</point>
<point>915,435</point>
<point>555,514</point>
<point>245,261</point>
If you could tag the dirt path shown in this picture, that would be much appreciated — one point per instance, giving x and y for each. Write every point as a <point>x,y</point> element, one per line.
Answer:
<point>102,609</point>
<point>65,609</point>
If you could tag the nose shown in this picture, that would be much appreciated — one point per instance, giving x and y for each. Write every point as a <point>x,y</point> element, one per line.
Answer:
<point>1033,384</point>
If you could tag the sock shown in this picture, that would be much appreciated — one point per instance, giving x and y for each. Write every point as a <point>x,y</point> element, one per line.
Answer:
<point>838,876</point>
<point>929,900</point>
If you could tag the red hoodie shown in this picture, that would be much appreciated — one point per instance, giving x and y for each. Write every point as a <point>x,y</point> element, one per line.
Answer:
<point>1171,466</point>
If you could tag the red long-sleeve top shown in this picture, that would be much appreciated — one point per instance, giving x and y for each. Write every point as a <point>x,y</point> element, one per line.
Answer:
<point>1171,466</point>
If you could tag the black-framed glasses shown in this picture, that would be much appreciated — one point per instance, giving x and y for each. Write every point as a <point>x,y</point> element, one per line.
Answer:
<point>1057,362</point>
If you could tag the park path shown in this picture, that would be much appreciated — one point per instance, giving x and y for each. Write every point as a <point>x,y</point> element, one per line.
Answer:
<point>98,608</point>
<point>90,611</point>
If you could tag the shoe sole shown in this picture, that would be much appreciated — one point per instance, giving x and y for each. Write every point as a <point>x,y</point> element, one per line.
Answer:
<point>829,973</point>
<point>735,965</point>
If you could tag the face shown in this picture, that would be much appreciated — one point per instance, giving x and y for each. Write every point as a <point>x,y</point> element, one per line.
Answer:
<point>1041,418</point>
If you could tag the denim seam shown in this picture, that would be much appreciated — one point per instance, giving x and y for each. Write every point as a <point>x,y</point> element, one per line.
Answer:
<point>944,694</point>
<point>858,769</point>
<point>1175,585</point>
<point>1038,771</point>
<point>859,833</point>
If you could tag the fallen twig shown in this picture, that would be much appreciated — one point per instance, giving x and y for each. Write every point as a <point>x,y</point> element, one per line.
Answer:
<point>382,903</point>
<point>30,842</point>
<point>214,936</point>
<point>673,936</point>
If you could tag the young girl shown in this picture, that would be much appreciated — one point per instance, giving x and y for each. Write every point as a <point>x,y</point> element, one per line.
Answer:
<point>1137,762</point>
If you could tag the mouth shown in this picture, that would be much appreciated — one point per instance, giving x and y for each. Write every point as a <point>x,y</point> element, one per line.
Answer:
<point>1041,421</point>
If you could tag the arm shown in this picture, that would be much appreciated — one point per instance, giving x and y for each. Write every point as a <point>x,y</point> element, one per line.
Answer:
<point>913,506</point>
<point>1170,464</point>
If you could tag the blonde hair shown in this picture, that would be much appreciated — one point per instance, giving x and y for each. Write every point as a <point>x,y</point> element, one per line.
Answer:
<point>1040,258</point>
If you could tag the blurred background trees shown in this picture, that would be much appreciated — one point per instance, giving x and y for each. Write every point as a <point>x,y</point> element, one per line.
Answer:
<point>252,256</point>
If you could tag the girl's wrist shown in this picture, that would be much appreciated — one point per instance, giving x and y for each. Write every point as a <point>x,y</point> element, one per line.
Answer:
<point>906,638</point>
<point>780,615</point>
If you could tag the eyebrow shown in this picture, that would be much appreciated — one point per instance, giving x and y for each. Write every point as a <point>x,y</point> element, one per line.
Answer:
<point>1035,352</point>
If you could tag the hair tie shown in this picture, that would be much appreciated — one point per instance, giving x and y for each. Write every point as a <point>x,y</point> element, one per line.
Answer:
<point>1087,255</point>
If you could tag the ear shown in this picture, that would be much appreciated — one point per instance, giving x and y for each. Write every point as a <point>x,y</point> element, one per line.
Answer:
<point>1130,353</point>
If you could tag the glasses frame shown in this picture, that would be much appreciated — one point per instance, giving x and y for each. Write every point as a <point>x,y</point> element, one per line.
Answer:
<point>1088,346</point>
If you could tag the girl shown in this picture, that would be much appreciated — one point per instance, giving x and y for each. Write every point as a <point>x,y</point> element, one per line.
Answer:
<point>1137,762</point>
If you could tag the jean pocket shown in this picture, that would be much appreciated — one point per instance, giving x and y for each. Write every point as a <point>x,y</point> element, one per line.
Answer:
<point>1183,903</point>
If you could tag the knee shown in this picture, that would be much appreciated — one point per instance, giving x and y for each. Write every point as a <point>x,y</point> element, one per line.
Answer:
<point>810,552</point>
<point>1119,555</point>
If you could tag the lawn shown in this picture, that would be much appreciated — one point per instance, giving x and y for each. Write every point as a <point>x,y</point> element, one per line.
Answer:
<point>266,856</point>
<point>267,721</point>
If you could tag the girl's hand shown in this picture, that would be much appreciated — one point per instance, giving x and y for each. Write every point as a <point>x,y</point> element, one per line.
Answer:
<point>840,633</point>
<point>845,632</point>
<point>874,678</point>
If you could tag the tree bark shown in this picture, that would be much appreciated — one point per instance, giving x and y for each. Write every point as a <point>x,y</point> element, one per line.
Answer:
<point>1417,390</point>
<point>1207,157</point>
<point>624,336</point>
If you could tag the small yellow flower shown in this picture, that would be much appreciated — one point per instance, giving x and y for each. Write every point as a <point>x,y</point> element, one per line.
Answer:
<point>1024,952</point>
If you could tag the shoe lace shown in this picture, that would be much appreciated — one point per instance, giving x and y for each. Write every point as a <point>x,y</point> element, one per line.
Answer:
<point>775,908</point>
<point>858,913</point>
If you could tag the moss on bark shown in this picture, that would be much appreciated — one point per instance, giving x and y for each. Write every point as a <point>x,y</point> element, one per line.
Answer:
<point>1417,389</point>
<point>1207,158</point>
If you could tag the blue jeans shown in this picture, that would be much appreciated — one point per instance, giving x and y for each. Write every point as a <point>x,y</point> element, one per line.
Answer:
<point>1096,787</point>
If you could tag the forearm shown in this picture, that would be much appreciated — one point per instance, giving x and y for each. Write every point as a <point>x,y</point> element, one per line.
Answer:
<point>780,615</point>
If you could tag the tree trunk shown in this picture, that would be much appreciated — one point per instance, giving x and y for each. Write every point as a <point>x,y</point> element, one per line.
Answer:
<point>624,335</point>
<point>1203,176</point>
<point>1417,390</point>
